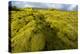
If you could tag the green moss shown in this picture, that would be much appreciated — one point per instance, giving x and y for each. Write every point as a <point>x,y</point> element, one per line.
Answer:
<point>40,30</point>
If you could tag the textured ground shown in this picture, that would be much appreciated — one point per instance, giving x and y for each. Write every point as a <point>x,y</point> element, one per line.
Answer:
<point>40,30</point>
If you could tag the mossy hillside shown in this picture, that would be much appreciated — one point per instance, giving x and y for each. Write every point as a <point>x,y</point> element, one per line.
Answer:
<point>40,30</point>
